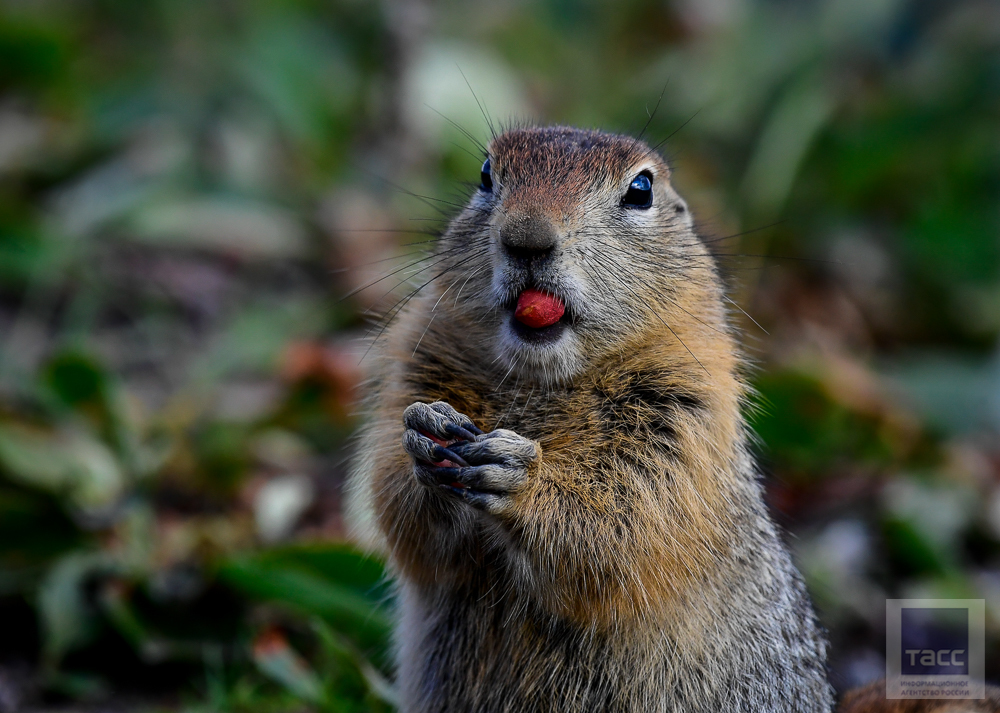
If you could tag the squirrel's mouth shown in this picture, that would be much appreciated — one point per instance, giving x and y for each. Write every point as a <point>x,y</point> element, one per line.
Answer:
<point>540,330</point>
<point>539,316</point>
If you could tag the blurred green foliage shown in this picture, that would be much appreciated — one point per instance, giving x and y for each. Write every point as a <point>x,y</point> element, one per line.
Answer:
<point>187,189</point>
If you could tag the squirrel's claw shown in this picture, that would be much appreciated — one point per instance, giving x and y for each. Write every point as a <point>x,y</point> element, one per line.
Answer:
<point>501,447</point>
<point>467,432</point>
<point>420,447</point>
<point>481,469</point>
<point>444,454</point>
<point>439,420</point>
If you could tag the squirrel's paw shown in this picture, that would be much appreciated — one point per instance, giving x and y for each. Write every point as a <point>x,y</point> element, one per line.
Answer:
<point>451,454</point>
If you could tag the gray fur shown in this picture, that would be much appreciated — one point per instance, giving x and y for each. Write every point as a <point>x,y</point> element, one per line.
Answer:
<point>607,548</point>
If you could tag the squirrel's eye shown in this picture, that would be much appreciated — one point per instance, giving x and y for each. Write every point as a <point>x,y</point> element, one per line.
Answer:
<point>487,179</point>
<point>640,192</point>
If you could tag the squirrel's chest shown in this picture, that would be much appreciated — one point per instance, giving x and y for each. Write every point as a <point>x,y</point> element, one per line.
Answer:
<point>542,414</point>
<point>598,416</point>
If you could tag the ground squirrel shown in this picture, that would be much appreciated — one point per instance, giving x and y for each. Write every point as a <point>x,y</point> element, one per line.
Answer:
<point>604,546</point>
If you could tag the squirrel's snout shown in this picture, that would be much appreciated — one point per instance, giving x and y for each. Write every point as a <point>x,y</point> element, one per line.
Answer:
<point>527,238</point>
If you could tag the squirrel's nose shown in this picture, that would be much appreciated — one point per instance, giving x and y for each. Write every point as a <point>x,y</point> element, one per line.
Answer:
<point>528,237</point>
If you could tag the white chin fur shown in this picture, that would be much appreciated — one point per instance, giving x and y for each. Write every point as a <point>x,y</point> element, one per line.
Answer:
<point>550,363</point>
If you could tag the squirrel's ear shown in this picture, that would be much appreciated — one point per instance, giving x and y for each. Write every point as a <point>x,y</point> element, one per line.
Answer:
<point>681,211</point>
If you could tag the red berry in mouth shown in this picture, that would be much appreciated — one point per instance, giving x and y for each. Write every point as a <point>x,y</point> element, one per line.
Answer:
<point>537,309</point>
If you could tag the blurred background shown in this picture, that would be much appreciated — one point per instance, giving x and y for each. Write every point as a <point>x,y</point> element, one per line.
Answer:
<point>189,188</point>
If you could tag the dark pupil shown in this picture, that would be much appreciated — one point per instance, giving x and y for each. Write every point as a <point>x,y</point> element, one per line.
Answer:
<point>487,179</point>
<point>640,192</point>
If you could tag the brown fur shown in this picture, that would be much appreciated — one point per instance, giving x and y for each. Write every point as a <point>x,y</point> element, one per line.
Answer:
<point>633,567</point>
<point>871,699</point>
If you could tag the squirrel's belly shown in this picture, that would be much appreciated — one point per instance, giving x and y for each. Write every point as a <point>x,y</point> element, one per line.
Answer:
<point>491,657</point>
<point>453,657</point>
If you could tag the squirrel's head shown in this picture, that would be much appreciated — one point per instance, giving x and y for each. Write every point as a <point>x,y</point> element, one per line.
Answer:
<point>574,242</point>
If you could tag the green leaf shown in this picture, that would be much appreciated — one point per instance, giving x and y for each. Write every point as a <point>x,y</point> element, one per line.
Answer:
<point>32,55</point>
<point>335,583</point>
<point>339,562</point>
<point>910,550</point>
<point>68,619</point>
<point>790,132</point>
<point>34,530</point>
<point>251,231</point>
<point>279,661</point>
<point>70,463</point>
<point>77,379</point>
<point>338,649</point>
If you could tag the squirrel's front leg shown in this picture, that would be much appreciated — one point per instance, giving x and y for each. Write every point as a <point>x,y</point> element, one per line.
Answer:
<point>569,538</point>
<point>451,455</point>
